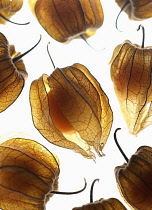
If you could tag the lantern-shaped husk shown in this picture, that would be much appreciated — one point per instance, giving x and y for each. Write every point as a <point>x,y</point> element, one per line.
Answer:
<point>12,75</point>
<point>28,172</point>
<point>136,10</point>
<point>135,179</point>
<point>131,70</point>
<point>66,20</point>
<point>8,8</point>
<point>70,110</point>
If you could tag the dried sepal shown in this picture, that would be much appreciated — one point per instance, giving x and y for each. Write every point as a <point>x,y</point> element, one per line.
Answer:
<point>12,75</point>
<point>134,179</point>
<point>136,10</point>
<point>8,8</point>
<point>66,20</point>
<point>70,110</point>
<point>28,172</point>
<point>103,204</point>
<point>131,74</point>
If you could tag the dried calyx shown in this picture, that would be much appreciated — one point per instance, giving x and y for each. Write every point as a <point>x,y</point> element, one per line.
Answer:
<point>136,10</point>
<point>9,8</point>
<point>12,73</point>
<point>134,178</point>
<point>85,18</point>
<point>131,66</point>
<point>74,107</point>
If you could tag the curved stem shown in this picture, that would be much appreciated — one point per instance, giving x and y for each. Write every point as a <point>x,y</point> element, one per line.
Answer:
<point>12,21</point>
<point>85,41</point>
<point>122,152</point>
<point>143,31</point>
<point>20,56</point>
<point>88,43</point>
<point>50,55</point>
<point>71,193</point>
<point>116,23</point>
<point>91,190</point>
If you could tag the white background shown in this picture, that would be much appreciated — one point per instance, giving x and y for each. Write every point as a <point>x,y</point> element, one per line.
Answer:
<point>17,120</point>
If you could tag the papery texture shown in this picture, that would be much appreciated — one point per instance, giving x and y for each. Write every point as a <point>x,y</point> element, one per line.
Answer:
<point>135,179</point>
<point>28,172</point>
<point>131,75</point>
<point>65,20</point>
<point>8,8</point>
<point>12,75</point>
<point>136,9</point>
<point>70,110</point>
